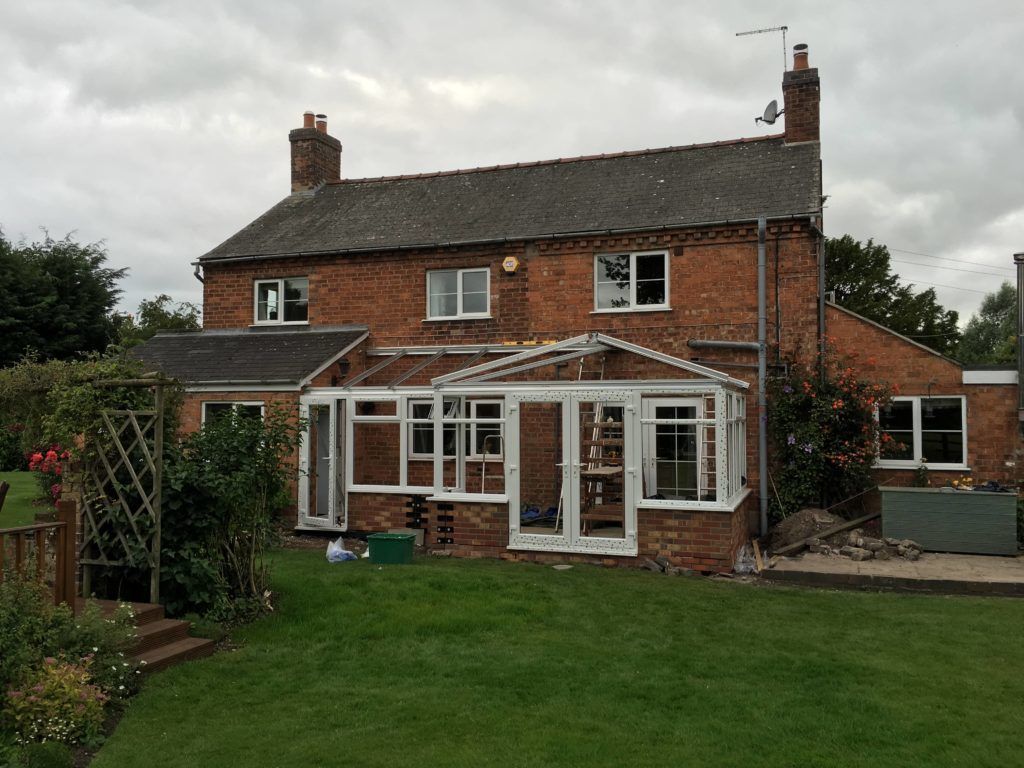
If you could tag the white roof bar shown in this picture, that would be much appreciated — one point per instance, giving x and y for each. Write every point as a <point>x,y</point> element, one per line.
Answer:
<point>676,362</point>
<point>591,349</point>
<point>417,368</point>
<point>522,356</point>
<point>370,371</point>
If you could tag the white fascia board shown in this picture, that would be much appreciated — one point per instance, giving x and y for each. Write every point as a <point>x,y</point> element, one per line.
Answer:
<point>990,377</point>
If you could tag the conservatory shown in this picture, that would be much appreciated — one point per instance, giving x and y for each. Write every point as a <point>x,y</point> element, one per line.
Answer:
<point>570,438</point>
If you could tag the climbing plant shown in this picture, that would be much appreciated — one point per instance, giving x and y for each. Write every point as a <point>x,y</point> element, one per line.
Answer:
<point>825,435</point>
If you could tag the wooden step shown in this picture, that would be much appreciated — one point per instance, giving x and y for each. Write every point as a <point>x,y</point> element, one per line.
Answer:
<point>144,612</point>
<point>604,441</point>
<point>186,649</point>
<point>602,424</point>
<point>157,633</point>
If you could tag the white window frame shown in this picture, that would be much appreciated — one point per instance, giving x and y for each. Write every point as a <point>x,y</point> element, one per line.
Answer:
<point>280,292</point>
<point>917,447</point>
<point>428,421</point>
<point>460,314</point>
<point>633,307</point>
<point>233,403</point>
<point>476,420</point>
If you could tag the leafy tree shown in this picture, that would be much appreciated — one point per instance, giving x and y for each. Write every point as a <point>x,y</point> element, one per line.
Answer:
<point>861,276</point>
<point>56,297</point>
<point>160,313</point>
<point>991,333</point>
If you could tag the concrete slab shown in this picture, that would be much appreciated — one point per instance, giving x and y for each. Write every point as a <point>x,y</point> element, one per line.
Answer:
<point>933,572</point>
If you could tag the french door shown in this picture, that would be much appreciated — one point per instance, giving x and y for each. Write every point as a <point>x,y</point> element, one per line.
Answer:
<point>573,471</point>
<point>322,493</point>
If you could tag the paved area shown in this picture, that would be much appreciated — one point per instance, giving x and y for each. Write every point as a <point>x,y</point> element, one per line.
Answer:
<point>934,572</point>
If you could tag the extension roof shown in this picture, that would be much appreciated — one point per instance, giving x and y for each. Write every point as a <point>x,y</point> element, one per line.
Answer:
<point>269,355</point>
<point>645,190</point>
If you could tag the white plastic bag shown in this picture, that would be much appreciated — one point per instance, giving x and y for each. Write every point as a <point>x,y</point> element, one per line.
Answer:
<point>336,552</point>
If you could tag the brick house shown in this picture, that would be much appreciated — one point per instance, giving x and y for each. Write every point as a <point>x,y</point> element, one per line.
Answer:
<point>538,360</point>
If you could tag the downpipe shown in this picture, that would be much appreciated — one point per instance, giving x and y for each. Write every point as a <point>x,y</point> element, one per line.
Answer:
<point>762,372</point>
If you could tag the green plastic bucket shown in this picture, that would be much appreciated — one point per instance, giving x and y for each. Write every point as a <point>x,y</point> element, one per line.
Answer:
<point>391,548</point>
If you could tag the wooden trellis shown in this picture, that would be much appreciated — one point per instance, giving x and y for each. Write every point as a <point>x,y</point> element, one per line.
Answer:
<point>121,490</point>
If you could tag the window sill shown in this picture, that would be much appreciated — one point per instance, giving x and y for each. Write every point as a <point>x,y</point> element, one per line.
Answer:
<point>916,464</point>
<point>629,311</point>
<point>483,498</point>
<point>703,506</point>
<point>456,319</point>
<point>277,325</point>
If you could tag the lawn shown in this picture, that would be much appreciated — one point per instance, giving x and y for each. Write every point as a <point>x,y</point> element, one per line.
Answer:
<point>486,663</point>
<point>18,508</point>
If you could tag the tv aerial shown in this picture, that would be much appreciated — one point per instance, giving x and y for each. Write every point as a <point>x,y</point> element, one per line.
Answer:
<point>772,111</point>
<point>781,29</point>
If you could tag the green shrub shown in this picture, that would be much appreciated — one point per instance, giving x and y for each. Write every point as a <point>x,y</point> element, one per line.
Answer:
<point>45,754</point>
<point>224,489</point>
<point>12,456</point>
<point>32,629</point>
<point>57,702</point>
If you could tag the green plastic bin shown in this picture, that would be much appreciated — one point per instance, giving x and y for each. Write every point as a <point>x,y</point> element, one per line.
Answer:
<point>391,548</point>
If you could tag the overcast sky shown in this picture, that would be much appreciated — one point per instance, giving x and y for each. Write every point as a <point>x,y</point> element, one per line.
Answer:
<point>162,128</point>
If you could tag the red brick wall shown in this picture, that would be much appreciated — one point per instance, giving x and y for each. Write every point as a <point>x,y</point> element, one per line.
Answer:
<point>993,438</point>
<point>700,540</point>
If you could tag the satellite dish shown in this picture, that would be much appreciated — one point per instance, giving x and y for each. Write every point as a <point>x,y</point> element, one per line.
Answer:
<point>771,113</point>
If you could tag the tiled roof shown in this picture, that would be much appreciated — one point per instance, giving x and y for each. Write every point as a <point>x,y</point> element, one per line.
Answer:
<point>267,355</point>
<point>676,186</point>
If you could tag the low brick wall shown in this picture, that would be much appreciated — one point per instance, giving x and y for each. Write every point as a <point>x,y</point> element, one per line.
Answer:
<point>702,540</point>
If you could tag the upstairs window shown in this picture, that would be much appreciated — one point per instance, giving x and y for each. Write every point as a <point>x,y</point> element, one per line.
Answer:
<point>630,281</point>
<point>285,300</point>
<point>453,294</point>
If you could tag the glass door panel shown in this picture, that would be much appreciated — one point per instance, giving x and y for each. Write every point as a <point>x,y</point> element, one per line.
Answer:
<point>599,469</point>
<point>541,465</point>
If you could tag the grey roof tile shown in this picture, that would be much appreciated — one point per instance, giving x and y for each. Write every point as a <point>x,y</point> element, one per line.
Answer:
<point>281,355</point>
<point>736,181</point>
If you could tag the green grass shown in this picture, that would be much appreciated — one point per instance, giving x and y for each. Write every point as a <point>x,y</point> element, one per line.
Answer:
<point>18,508</point>
<point>486,663</point>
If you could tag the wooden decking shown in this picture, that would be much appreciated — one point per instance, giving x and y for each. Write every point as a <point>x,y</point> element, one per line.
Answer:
<point>161,642</point>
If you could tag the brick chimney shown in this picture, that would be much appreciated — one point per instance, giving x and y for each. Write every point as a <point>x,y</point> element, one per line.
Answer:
<point>316,156</point>
<point>801,92</point>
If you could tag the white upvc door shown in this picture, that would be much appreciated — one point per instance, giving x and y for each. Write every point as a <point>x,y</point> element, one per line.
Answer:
<point>573,471</point>
<point>322,493</point>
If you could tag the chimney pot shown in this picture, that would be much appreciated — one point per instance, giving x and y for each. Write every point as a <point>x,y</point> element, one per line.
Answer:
<point>316,155</point>
<point>800,56</point>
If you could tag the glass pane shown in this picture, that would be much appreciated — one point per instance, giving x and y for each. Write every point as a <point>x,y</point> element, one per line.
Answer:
<point>474,303</point>
<point>296,305</point>
<point>250,411</point>
<point>267,302</point>
<point>443,282</point>
<point>319,461</point>
<point>216,410</point>
<point>423,439</point>
<point>474,282</point>
<point>900,447</point>
<point>651,267</point>
<point>488,410</point>
<point>421,409</point>
<point>296,289</point>
<point>612,296</point>
<point>650,292</point>
<point>602,489</point>
<point>943,447</point>
<point>898,415</point>
<point>941,413</point>
<point>444,305</point>
<point>540,473</point>
<point>613,269</point>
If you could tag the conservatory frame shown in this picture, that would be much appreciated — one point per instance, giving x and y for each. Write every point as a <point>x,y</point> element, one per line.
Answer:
<point>721,425</point>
